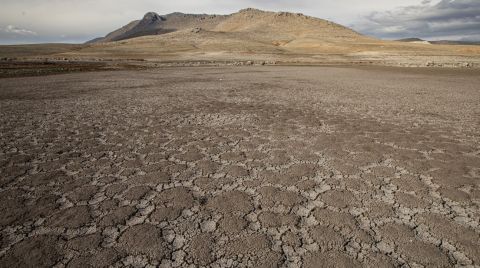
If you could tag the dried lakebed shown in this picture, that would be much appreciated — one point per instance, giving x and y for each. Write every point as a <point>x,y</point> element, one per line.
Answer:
<point>241,166</point>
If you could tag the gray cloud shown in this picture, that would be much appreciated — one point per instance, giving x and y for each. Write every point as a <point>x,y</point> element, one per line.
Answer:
<point>447,19</point>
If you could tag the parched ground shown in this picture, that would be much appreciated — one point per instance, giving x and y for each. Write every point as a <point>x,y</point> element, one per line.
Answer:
<point>241,166</point>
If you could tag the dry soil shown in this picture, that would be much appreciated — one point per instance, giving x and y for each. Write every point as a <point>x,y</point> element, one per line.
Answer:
<point>241,166</point>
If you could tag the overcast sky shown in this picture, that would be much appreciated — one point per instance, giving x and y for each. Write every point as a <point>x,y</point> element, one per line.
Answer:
<point>76,21</point>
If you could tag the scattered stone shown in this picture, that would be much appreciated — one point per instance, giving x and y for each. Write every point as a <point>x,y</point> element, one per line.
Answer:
<point>208,226</point>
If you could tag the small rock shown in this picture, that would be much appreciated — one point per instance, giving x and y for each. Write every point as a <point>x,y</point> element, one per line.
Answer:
<point>135,220</point>
<point>169,236</point>
<point>208,226</point>
<point>384,247</point>
<point>196,30</point>
<point>178,242</point>
<point>311,221</point>
<point>461,258</point>
<point>178,257</point>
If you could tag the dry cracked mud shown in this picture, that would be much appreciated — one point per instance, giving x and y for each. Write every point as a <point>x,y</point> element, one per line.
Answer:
<point>241,167</point>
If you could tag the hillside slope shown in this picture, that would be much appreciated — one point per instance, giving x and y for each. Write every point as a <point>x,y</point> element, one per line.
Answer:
<point>154,24</point>
<point>286,25</point>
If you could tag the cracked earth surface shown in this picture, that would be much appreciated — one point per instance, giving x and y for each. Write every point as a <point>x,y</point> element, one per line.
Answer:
<point>241,167</point>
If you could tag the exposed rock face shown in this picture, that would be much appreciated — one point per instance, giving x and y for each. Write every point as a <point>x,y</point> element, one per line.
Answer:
<point>152,17</point>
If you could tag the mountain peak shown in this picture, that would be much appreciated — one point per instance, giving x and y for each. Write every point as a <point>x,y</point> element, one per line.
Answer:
<point>152,17</point>
<point>176,14</point>
<point>251,10</point>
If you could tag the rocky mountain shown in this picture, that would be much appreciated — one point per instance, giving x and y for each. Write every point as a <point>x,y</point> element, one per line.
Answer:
<point>414,41</point>
<point>283,25</point>
<point>455,42</point>
<point>154,24</point>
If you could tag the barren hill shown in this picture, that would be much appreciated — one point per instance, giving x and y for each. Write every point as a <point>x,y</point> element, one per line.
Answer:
<point>285,25</point>
<point>249,32</point>
<point>265,25</point>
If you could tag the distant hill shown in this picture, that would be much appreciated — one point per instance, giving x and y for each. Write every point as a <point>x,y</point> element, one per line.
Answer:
<point>450,42</point>
<point>439,42</point>
<point>410,40</point>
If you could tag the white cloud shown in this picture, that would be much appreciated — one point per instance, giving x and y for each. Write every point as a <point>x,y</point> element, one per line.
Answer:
<point>15,30</point>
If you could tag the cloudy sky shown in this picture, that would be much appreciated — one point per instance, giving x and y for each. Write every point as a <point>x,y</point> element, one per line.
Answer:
<point>76,21</point>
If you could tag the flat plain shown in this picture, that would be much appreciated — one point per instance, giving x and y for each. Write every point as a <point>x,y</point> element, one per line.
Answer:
<point>259,166</point>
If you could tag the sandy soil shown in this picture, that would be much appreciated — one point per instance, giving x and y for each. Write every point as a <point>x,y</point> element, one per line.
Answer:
<point>241,166</point>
